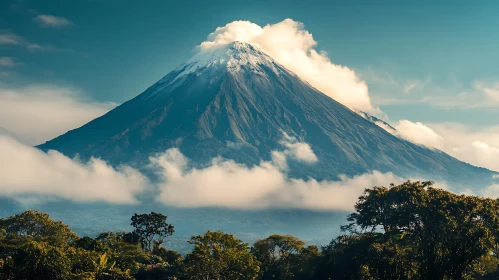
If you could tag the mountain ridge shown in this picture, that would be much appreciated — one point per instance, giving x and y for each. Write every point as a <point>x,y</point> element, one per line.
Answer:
<point>239,94</point>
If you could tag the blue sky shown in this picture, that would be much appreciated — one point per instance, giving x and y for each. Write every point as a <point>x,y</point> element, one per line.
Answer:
<point>433,62</point>
<point>115,49</point>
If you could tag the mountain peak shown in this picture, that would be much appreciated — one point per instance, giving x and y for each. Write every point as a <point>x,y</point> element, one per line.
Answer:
<point>233,56</point>
<point>242,46</point>
<point>236,93</point>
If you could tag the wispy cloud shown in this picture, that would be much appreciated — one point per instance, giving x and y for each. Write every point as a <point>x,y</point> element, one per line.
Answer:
<point>391,84</point>
<point>410,85</point>
<point>52,21</point>
<point>6,61</point>
<point>11,39</point>
<point>490,90</point>
<point>387,89</point>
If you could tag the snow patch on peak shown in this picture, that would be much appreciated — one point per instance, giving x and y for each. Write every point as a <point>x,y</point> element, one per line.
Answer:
<point>234,57</point>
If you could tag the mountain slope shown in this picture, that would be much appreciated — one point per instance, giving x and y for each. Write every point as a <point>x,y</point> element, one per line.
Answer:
<point>238,94</point>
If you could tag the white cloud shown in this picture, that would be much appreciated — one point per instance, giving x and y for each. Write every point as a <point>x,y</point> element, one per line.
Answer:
<point>466,143</point>
<point>29,173</point>
<point>418,133</point>
<point>40,112</point>
<point>294,47</point>
<point>228,184</point>
<point>52,21</point>
<point>300,151</point>
<point>279,160</point>
<point>477,153</point>
<point>471,144</point>
<point>6,61</point>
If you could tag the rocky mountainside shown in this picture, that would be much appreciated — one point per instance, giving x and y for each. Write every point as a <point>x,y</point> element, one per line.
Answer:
<point>236,102</point>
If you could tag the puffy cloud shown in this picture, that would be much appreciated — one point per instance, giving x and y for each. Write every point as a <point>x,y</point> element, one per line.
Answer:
<point>239,30</point>
<point>52,21</point>
<point>466,143</point>
<point>39,112</point>
<point>227,184</point>
<point>29,173</point>
<point>471,144</point>
<point>300,151</point>
<point>294,47</point>
<point>477,153</point>
<point>418,133</point>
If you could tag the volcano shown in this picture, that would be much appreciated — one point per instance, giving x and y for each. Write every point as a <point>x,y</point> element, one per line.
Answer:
<point>236,102</point>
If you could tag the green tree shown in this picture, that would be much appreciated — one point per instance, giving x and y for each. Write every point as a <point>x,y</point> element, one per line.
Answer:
<point>217,255</point>
<point>90,244</point>
<point>36,260</point>
<point>37,225</point>
<point>447,232</point>
<point>278,254</point>
<point>151,229</point>
<point>308,259</point>
<point>169,256</point>
<point>125,251</point>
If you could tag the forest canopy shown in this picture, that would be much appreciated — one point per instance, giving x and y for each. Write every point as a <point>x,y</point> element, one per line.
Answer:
<point>406,231</point>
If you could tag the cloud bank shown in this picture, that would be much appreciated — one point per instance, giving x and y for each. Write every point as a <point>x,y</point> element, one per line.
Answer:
<point>38,113</point>
<point>228,184</point>
<point>294,47</point>
<point>30,173</point>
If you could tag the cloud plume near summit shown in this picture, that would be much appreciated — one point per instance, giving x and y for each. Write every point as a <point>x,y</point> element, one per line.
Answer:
<point>290,44</point>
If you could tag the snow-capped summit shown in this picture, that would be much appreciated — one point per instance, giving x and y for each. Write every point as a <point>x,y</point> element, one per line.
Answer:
<point>231,57</point>
<point>236,93</point>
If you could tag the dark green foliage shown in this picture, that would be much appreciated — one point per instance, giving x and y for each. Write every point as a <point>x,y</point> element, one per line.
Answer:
<point>38,226</point>
<point>35,260</point>
<point>279,255</point>
<point>217,255</point>
<point>414,231</point>
<point>151,229</point>
<point>408,231</point>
